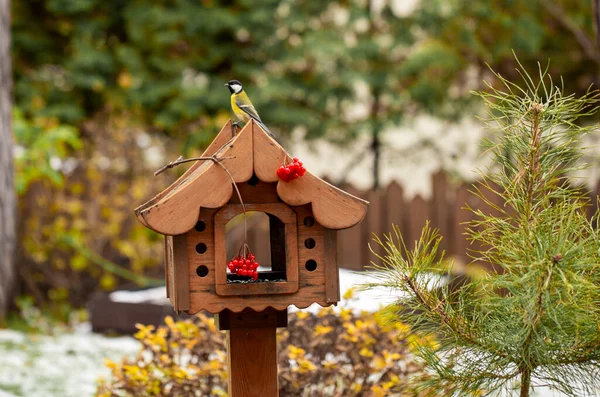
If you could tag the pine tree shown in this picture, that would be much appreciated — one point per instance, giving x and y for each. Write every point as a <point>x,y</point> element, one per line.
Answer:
<point>535,319</point>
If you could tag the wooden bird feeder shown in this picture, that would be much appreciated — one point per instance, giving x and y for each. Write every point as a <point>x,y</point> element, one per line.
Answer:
<point>304,216</point>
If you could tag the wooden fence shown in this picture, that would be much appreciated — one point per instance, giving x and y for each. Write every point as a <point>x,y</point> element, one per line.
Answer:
<point>445,210</point>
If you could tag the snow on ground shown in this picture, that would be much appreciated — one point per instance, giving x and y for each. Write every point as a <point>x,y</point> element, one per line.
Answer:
<point>68,365</point>
<point>364,300</point>
<point>65,365</point>
<point>370,300</point>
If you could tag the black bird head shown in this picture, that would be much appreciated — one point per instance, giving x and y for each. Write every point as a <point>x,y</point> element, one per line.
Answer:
<point>234,86</point>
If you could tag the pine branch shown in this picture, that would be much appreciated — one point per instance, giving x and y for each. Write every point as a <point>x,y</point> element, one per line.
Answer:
<point>456,325</point>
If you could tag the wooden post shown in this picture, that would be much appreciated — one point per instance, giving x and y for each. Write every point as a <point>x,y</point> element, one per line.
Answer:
<point>252,351</point>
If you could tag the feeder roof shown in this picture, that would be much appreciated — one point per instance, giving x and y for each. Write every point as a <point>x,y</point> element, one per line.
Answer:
<point>208,184</point>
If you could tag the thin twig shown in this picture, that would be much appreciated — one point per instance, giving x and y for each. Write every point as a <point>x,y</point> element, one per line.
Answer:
<point>596,13</point>
<point>241,201</point>
<point>181,160</point>
<point>217,160</point>
<point>580,36</point>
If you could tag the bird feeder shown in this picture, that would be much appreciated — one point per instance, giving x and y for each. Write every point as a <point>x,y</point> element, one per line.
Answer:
<point>304,216</point>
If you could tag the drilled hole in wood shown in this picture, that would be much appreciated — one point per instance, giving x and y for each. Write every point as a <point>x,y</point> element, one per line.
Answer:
<point>253,181</point>
<point>200,226</point>
<point>202,271</point>
<point>309,221</point>
<point>310,243</point>
<point>311,265</point>
<point>201,248</point>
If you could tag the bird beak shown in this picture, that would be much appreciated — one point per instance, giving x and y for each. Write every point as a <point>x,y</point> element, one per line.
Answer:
<point>226,84</point>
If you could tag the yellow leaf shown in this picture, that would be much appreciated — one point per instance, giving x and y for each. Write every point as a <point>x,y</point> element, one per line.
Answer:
<point>378,391</point>
<point>391,356</point>
<point>345,314</point>
<point>349,294</point>
<point>394,380</point>
<point>164,358</point>
<point>125,80</point>
<point>110,364</point>
<point>322,330</point>
<point>325,311</point>
<point>131,369</point>
<point>170,322</point>
<point>356,387</point>
<point>295,353</point>
<point>366,352</point>
<point>108,281</point>
<point>378,363</point>
<point>305,365</point>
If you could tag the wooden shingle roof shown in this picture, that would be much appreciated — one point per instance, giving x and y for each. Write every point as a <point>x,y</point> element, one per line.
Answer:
<point>252,151</point>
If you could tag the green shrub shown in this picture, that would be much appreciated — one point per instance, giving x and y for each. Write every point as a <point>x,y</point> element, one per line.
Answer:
<point>77,188</point>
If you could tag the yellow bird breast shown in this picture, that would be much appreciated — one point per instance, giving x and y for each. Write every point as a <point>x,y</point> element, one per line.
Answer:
<point>239,113</point>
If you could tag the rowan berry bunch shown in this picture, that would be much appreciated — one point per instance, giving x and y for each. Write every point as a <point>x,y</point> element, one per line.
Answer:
<point>244,266</point>
<point>291,171</point>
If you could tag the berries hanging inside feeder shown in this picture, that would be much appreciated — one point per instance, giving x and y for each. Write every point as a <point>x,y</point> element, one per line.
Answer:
<point>289,172</point>
<point>244,265</point>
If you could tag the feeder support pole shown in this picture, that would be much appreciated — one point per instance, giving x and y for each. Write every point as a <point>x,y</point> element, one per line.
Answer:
<point>252,351</point>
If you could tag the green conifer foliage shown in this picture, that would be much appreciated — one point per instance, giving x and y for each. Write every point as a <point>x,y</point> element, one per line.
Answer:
<point>535,319</point>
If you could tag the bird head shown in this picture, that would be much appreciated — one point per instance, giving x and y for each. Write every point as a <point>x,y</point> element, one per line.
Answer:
<point>234,86</point>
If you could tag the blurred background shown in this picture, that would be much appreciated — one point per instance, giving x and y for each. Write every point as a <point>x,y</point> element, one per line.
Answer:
<point>373,95</point>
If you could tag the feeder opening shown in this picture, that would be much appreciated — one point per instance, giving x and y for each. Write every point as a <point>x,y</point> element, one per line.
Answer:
<point>265,240</point>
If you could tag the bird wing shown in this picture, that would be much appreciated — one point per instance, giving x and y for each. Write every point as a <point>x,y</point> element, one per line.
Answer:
<point>247,107</point>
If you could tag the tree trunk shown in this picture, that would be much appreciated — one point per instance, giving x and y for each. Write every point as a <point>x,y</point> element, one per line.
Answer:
<point>525,382</point>
<point>376,142</point>
<point>376,147</point>
<point>7,192</point>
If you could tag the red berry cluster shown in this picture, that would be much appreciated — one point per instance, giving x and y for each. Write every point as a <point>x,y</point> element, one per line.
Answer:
<point>291,171</point>
<point>247,266</point>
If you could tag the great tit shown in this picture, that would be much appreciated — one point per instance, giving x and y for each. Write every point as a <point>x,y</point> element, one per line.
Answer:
<point>242,105</point>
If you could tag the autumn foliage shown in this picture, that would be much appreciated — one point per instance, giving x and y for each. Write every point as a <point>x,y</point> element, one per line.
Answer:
<point>323,354</point>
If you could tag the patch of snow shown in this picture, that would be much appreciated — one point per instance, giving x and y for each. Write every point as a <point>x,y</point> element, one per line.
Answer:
<point>10,336</point>
<point>66,365</point>
<point>156,295</point>
<point>370,300</point>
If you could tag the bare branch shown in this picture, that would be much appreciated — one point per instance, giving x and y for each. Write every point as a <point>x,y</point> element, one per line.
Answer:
<point>582,38</point>
<point>596,16</point>
<point>181,160</point>
<point>213,158</point>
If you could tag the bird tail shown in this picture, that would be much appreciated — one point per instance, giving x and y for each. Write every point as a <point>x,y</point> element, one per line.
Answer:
<point>264,127</point>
